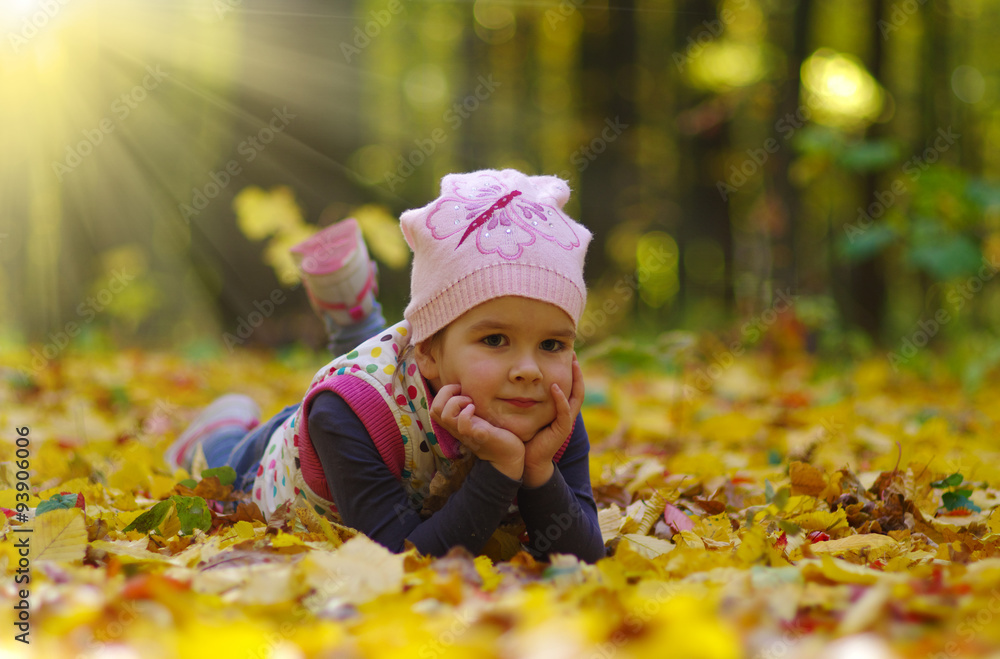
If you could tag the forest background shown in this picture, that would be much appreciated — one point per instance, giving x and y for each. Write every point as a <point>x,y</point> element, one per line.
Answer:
<point>747,167</point>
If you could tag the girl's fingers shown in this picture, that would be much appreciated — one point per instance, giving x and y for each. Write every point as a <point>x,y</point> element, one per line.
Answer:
<point>444,396</point>
<point>563,411</point>
<point>455,406</point>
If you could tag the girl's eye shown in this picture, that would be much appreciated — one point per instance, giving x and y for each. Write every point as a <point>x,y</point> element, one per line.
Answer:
<point>494,340</point>
<point>552,345</point>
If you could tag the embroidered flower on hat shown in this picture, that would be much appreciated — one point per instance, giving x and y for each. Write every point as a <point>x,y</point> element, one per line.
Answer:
<point>504,221</point>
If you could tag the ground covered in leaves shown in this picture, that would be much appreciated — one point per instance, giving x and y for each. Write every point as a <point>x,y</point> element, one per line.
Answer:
<point>761,506</point>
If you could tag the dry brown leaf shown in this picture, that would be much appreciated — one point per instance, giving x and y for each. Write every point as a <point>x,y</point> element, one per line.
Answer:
<point>806,479</point>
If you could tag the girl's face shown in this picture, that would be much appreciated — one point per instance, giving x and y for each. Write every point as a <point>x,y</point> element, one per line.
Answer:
<point>505,354</point>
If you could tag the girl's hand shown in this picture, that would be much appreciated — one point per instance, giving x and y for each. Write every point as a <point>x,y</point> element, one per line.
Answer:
<point>457,414</point>
<point>540,449</point>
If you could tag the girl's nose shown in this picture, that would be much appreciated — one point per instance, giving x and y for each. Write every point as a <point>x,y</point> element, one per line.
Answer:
<point>526,369</point>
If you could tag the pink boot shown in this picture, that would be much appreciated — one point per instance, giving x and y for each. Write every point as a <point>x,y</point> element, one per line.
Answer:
<point>337,272</point>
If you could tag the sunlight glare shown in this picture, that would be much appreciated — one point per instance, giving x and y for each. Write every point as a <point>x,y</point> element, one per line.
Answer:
<point>840,91</point>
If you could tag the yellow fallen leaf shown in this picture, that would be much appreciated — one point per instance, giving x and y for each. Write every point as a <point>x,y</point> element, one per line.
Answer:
<point>610,520</point>
<point>244,530</point>
<point>647,545</point>
<point>283,539</point>
<point>130,551</point>
<point>753,546</point>
<point>484,566</point>
<point>317,523</point>
<point>357,572</point>
<point>688,539</point>
<point>654,511</point>
<point>59,535</point>
<point>649,469</point>
<point>382,234</point>
<point>8,499</point>
<point>716,528</point>
<point>985,573</point>
<point>874,543</point>
<point>821,520</point>
<point>866,611</point>
<point>840,571</point>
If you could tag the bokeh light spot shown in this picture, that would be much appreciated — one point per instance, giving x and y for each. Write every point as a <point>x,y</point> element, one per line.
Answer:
<point>839,91</point>
<point>968,84</point>
<point>425,85</point>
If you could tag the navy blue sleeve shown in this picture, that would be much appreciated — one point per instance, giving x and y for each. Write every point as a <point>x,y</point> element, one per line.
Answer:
<point>561,516</point>
<point>370,499</point>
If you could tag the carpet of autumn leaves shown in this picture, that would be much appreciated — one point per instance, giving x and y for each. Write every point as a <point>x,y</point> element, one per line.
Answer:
<point>771,506</point>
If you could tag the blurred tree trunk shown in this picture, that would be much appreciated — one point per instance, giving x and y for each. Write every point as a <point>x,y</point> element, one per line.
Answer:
<point>608,182</point>
<point>867,282</point>
<point>785,272</point>
<point>706,144</point>
<point>936,80</point>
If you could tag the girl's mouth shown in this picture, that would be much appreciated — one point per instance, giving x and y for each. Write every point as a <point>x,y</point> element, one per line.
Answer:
<point>521,402</point>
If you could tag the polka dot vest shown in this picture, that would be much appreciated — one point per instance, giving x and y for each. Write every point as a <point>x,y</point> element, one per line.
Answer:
<point>380,381</point>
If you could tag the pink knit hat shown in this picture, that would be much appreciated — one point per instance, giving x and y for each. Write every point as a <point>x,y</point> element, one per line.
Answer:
<point>490,234</point>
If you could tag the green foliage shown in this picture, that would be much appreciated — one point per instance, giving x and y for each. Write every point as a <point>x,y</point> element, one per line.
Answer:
<point>950,481</point>
<point>940,252</point>
<point>55,502</point>
<point>980,361</point>
<point>152,518</point>
<point>225,474</point>
<point>937,222</point>
<point>192,512</point>
<point>868,156</point>
<point>855,156</point>
<point>868,243</point>
<point>663,355</point>
<point>955,499</point>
